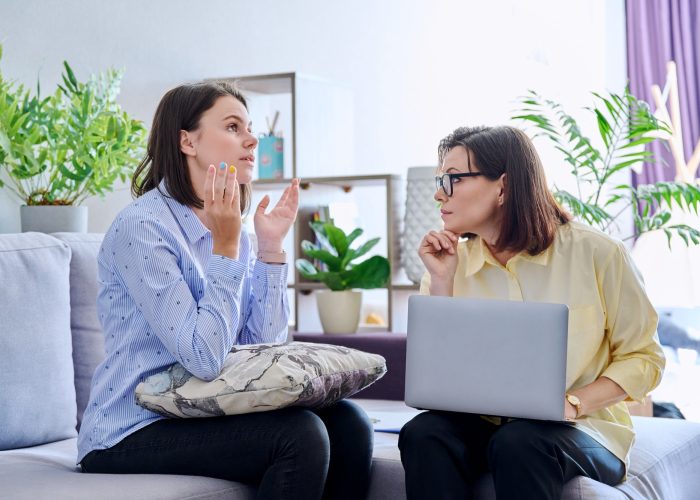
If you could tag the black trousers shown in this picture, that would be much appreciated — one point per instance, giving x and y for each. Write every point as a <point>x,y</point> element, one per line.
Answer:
<point>444,452</point>
<point>293,453</point>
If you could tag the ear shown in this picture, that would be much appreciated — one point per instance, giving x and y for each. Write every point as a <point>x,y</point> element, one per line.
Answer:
<point>187,144</point>
<point>501,189</point>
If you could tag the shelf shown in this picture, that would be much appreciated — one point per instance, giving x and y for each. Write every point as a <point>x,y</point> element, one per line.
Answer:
<point>307,286</point>
<point>341,182</point>
<point>280,83</point>
<point>406,286</point>
<point>320,286</point>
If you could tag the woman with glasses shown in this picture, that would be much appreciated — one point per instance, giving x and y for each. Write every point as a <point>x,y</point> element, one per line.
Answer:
<point>519,244</point>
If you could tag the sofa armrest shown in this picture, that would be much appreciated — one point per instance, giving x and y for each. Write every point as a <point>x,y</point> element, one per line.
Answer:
<point>392,346</point>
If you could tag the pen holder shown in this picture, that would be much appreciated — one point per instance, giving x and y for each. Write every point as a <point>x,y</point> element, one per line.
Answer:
<point>271,157</point>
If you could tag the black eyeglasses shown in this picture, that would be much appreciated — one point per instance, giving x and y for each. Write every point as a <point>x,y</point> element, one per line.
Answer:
<point>444,181</point>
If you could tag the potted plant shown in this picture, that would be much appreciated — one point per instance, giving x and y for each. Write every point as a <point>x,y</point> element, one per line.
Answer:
<point>339,307</point>
<point>58,150</point>
<point>624,125</point>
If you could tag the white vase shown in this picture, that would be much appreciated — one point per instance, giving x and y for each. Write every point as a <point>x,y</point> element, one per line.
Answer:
<point>339,311</point>
<point>53,218</point>
<point>421,215</point>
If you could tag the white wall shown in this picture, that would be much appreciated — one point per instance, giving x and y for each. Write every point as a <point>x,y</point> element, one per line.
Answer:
<point>417,69</point>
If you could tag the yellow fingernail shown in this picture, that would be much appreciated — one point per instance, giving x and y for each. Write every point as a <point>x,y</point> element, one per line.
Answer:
<point>232,169</point>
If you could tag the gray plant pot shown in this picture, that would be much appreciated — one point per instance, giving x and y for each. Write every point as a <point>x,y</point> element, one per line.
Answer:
<point>53,218</point>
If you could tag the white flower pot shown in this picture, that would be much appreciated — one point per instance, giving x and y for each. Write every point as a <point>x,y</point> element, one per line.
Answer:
<point>339,311</point>
<point>53,218</point>
<point>421,215</point>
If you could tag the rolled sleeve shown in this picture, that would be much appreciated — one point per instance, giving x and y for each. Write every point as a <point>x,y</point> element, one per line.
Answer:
<point>637,359</point>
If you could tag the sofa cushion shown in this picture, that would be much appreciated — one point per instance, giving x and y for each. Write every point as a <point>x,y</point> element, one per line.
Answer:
<point>36,367</point>
<point>51,471</point>
<point>663,466</point>
<point>260,377</point>
<point>88,341</point>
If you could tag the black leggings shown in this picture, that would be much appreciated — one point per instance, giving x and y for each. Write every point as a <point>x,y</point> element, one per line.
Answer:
<point>444,452</point>
<point>294,453</point>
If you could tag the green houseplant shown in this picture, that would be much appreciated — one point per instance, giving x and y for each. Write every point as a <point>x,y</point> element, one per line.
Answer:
<point>624,125</point>
<point>339,307</point>
<point>59,149</point>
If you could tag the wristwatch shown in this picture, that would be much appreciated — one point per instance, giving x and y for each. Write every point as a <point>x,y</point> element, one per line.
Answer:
<point>575,402</point>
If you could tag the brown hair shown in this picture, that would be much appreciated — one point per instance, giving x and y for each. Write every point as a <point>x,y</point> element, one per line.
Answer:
<point>180,109</point>
<point>531,215</point>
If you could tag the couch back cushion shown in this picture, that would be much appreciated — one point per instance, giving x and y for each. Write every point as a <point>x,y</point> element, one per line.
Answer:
<point>36,366</point>
<point>88,341</point>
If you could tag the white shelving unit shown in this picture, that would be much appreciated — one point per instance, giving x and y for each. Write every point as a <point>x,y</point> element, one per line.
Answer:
<point>316,121</point>
<point>385,191</point>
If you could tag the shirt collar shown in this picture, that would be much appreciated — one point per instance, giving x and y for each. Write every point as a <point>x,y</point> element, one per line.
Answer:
<point>478,254</point>
<point>185,216</point>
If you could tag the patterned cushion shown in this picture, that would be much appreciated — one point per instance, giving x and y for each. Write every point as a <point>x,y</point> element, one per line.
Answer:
<point>261,377</point>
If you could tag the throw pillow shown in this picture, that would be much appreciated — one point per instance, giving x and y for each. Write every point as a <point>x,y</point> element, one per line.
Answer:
<point>36,367</point>
<point>88,339</point>
<point>262,377</point>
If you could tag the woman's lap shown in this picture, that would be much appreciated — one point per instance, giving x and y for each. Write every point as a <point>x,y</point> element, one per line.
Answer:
<point>480,446</point>
<point>242,447</point>
<point>237,447</point>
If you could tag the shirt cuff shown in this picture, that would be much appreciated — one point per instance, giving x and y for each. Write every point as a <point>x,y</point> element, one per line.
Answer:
<point>270,274</point>
<point>224,268</point>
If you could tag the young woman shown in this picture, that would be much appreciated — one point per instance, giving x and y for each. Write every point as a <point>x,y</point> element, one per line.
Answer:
<point>180,282</point>
<point>522,246</point>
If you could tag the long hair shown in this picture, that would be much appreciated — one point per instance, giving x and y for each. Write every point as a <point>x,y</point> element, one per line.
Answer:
<point>531,215</point>
<point>180,109</point>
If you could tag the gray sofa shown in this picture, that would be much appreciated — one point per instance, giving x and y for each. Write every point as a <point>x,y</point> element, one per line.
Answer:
<point>50,342</point>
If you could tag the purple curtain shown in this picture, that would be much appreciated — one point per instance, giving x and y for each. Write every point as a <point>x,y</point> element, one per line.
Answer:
<point>659,31</point>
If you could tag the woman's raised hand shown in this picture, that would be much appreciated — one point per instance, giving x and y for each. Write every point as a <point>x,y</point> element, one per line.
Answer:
<point>222,208</point>
<point>438,251</point>
<point>272,227</point>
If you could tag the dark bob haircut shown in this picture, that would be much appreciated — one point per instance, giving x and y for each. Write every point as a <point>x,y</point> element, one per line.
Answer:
<point>531,215</point>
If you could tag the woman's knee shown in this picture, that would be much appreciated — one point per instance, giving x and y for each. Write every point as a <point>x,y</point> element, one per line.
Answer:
<point>517,441</point>
<point>305,437</point>
<point>350,418</point>
<point>423,430</point>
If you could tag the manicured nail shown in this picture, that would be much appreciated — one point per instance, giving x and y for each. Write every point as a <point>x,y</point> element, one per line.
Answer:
<point>232,169</point>
<point>212,168</point>
<point>222,165</point>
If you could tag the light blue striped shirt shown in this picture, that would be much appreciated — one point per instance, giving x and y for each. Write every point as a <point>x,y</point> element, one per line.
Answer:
<point>165,298</point>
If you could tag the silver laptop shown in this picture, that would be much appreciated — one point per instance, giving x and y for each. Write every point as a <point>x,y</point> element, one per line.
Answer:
<point>490,357</point>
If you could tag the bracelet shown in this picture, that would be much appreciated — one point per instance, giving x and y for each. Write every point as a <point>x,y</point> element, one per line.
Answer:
<point>273,257</point>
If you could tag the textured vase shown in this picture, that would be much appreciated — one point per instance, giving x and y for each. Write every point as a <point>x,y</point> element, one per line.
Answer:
<point>339,311</point>
<point>53,218</point>
<point>421,216</point>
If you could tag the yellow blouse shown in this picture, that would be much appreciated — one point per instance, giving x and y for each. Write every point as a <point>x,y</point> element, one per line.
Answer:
<point>612,324</point>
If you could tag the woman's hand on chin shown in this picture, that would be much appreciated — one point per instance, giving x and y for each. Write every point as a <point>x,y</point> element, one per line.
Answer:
<point>438,251</point>
<point>272,227</point>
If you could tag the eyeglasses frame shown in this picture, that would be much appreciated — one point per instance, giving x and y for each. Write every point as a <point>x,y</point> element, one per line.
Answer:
<point>440,183</point>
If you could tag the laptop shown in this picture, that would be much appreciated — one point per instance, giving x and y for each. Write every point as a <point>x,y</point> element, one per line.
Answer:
<point>489,357</point>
